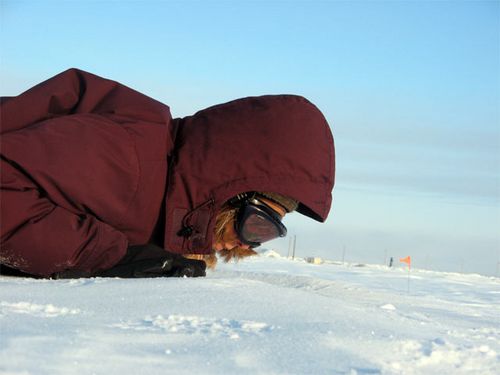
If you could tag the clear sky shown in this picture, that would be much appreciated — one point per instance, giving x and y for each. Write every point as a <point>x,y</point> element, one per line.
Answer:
<point>410,89</point>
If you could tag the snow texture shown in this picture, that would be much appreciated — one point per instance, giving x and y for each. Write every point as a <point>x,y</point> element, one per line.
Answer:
<point>267,315</point>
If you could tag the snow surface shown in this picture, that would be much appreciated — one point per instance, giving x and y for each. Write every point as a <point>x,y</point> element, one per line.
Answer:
<point>266,315</point>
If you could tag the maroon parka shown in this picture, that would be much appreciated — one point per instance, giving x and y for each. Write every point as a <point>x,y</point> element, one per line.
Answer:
<point>88,165</point>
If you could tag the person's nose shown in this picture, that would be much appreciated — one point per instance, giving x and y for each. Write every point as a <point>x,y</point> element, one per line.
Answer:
<point>243,246</point>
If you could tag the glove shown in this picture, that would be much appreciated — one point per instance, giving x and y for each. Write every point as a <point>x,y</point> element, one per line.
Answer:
<point>148,261</point>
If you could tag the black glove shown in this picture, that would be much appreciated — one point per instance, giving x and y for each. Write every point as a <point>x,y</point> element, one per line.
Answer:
<point>148,261</point>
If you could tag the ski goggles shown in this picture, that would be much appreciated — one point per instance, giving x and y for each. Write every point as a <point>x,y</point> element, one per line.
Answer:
<point>256,223</point>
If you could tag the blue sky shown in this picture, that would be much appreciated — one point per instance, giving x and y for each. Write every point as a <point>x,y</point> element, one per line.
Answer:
<point>411,91</point>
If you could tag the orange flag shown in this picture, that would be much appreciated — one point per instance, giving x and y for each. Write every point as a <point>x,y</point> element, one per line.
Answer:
<point>406,260</point>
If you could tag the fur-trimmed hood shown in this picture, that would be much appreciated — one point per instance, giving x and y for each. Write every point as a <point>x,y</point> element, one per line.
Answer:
<point>278,143</point>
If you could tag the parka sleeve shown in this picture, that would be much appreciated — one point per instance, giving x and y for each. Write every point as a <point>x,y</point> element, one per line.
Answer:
<point>75,91</point>
<point>41,238</point>
<point>37,235</point>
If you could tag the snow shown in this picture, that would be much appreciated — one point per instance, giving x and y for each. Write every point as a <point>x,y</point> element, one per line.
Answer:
<point>266,315</point>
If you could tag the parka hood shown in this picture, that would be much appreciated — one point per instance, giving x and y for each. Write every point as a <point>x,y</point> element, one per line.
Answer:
<point>278,143</point>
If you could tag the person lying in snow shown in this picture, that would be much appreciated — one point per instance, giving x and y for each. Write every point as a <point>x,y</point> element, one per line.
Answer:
<point>98,179</point>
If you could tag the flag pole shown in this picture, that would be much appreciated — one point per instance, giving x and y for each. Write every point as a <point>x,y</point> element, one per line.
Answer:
<point>409,268</point>
<point>407,260</point>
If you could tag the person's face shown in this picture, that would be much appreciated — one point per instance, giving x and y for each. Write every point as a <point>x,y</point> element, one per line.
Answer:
<point>230,239</point>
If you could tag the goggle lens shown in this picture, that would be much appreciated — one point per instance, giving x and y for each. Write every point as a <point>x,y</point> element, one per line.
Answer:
<point>256,223</point>
<point>257,228</point>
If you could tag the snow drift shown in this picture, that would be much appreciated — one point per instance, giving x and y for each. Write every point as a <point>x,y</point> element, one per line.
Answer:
<point>267,315</point>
